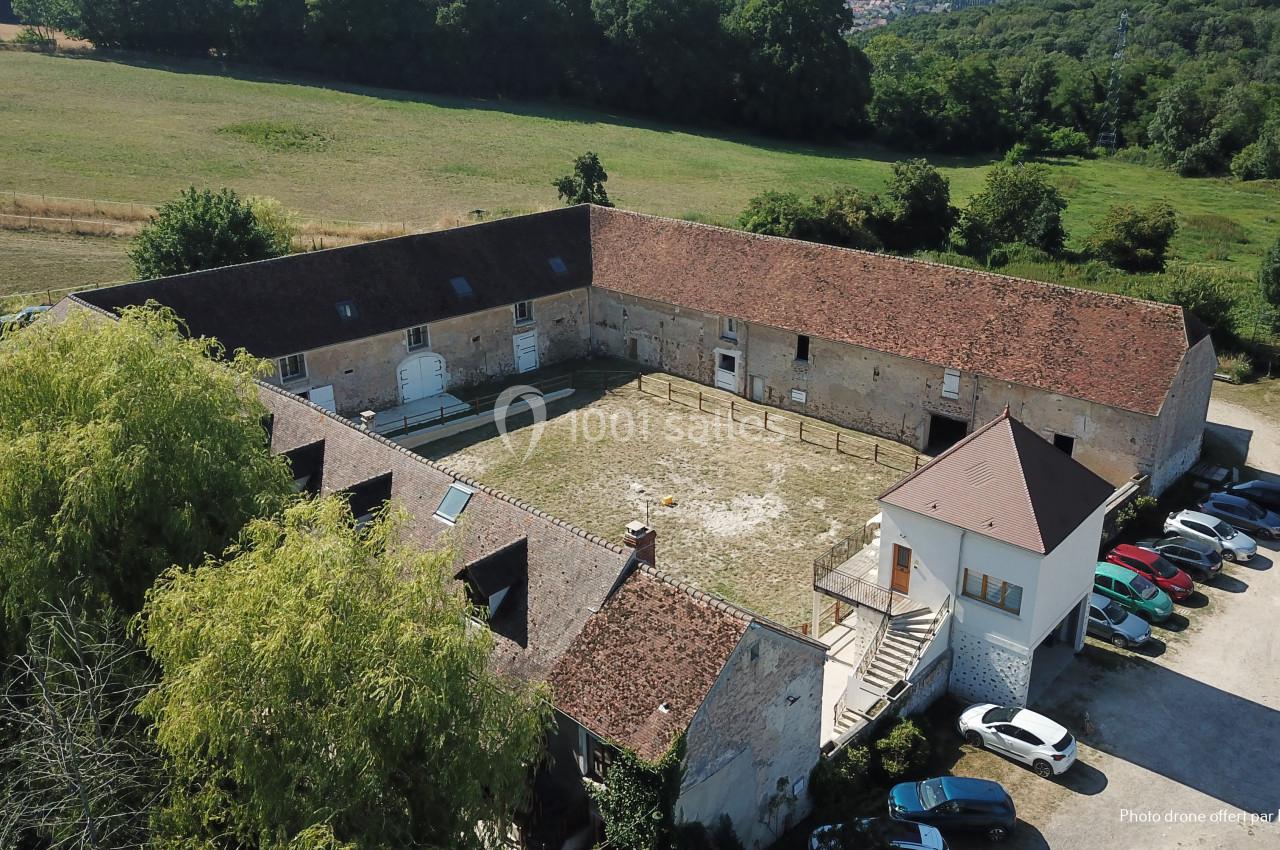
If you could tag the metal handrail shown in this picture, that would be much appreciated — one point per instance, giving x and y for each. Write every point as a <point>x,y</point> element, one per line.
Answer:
<point>936,624</point>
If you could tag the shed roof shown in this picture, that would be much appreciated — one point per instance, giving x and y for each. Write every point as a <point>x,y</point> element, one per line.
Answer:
<point>1006,482</point>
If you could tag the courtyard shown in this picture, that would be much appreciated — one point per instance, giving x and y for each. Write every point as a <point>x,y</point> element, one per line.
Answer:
<point>739,510</point>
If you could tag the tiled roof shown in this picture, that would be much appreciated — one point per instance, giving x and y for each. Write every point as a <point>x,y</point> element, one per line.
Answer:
<point>290,304</point>
<point>569,572</point>
<point>644,664</point>
<point>1006,482</point>
<point>1109,349</point>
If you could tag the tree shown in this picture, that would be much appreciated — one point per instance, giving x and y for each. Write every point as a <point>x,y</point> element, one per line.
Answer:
<point>1134,240</point>
<point>1178,126</point>
<point>776,214</point>
<point>45,17</point>
<point>586,184</point>
<point>80,770</point>
<point>916,214</point>
<point>201,229</point>
<point>1260,159</point>
<point>124,449</point>
<point>1017,204</point>
<point>1269,275</point>
<point>328,680</point>
<point>841,217</point>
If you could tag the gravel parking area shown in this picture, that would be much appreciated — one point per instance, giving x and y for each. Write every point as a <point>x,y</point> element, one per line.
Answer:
<point>1179,742</point>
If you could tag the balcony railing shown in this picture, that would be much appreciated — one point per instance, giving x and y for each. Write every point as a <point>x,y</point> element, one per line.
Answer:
<point>830,580</point>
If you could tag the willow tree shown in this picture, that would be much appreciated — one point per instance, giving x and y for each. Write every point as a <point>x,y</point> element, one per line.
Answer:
<point>326,685</point>
<point>124,449</point>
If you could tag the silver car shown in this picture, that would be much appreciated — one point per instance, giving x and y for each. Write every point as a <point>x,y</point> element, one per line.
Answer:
<point>1110,621</point>
<point>1234,545</point>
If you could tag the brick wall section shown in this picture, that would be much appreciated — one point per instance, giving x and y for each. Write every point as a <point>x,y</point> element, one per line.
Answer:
<point>570,572</point>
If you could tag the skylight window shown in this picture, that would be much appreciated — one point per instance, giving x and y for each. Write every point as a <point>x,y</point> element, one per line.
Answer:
<point>461,287</point>
<point>347,310</point>
<point>557,265</point>
<point>454,502</point>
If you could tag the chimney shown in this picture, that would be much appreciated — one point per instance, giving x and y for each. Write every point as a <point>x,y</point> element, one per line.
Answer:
<point>643,539</point>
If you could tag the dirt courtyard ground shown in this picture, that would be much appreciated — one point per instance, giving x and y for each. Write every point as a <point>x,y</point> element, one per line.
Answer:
<point>752,509</point>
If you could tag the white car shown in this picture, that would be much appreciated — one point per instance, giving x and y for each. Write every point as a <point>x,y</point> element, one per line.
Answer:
<point>1234,545</point>
<point>1029,737</point>
<point>899,834</point>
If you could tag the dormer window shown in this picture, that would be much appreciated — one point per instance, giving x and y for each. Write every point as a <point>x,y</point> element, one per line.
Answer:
<point>557,265</point>
<point>347,310</point>
<point>454,502</point>
<point>417,337</point>
<point>368,497</point>
<point>307,464</point>
<point>461,287</point>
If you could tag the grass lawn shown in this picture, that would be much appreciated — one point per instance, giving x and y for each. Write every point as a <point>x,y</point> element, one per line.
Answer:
<point>32,261</point>
<point>753,509</point>
<point>121,130</point>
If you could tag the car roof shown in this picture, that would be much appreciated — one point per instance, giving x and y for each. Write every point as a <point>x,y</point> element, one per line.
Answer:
<point>1106,568</point>
<point>1097,600</point>
<point>968,788</point>
<point>1146,556</point>
<point>1197,516</point>
<point>1256,484</point>
<point>1195,544</point>
<point>1230,499</point>
<point>1039,725</point>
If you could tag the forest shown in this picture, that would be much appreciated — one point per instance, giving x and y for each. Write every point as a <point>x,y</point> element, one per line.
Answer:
<point>1199,88</point>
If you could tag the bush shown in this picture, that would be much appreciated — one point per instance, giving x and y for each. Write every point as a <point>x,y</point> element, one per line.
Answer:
<point>1067,141</point>
<point>1134,240</point>
<point>1016,204</point>
<point>276,221</point>
<point>903,751</point>
<point>201,230</point>
<point>1269,275</point>
<point>1237,367</point>
<point>1260,160</point>
<point>842,778</point>
<point>1018,154</point>
<point>1201,292</point>
<point>1138,516</point>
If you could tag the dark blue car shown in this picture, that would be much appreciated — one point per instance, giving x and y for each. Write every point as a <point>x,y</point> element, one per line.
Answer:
<point>954,804</point>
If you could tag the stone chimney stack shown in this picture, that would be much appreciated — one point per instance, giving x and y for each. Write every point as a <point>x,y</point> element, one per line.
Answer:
<point>643,539</point>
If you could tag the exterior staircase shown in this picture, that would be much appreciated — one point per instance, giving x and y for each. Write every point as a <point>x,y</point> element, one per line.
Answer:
<point>888,660</point>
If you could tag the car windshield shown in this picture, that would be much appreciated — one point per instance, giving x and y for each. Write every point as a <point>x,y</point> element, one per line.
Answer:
<point>1143,588</point>
<point>1223,530</point>
<point>1115,612</point>
<point>931,793</point>
<point>999,715</point>
<point>1163,568</point>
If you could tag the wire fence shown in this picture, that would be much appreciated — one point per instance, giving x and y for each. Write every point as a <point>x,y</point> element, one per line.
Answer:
<point>799,428</point>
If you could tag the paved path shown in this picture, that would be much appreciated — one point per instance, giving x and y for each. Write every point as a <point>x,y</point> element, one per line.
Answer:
<point>1180,745</point>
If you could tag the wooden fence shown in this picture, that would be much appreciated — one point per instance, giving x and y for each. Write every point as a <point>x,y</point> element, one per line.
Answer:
<point>798,428</point>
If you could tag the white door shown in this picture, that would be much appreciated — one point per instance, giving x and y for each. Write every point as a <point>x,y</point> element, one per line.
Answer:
<point>757,388</point>
<point>323,396</point>
<point>421,376</point>
<point>727,371</point>
<point>526,351</point>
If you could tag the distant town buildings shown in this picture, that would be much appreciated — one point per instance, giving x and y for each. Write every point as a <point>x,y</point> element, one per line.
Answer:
<point>869,14</point>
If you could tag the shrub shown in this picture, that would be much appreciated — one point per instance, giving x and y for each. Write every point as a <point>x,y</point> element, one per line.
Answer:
<point>276,221</point>
<point>1237,367</point>
<point>775,214</point>
<point>1134,240</point>
<point>1201,292</point>
<point>1269,275</point>
<point>903,751</point>
<point>586,184</point>
<point>1260,159</point>
<point>837,780</point>
<point>1018,154</point>
<point>201,230</point>
<point>1017,204</point>
<point>1138,516</point>
<point>1066,141</point>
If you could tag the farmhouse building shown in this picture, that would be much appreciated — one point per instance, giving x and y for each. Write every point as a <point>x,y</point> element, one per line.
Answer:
<point>634,658</point>
<point>985,561</point>
<point>900,348</point>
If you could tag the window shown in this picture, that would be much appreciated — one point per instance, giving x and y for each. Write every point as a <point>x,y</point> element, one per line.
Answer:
<point>461,287</point>
<point>524,312</point>
<point>601,758</point>
<point>417,337</point>
<point>729,329</point>
<point>454,502</point>
<point>799,396</point>
<point>802,349</point>
<point>1064,443</point>
<point>951,383</point>
<point>293,367</point>
<point>347,310</point>
<point>728,363</point>
<point>557,265</point>
<point>993,591</point>
<point>1103,582</point>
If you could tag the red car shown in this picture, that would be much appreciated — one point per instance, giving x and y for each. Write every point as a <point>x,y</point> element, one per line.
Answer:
<point>1156,569</point>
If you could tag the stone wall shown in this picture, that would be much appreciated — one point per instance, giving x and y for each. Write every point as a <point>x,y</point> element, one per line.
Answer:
<point>756,738</point>
<point>986,670</point>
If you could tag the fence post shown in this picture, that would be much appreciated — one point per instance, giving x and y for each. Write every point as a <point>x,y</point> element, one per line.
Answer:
<point>917,463</point>
<point>802,430</point>
<point>405,420</point>
<point>875,452</point>
<point>766,419</point>
<point>731,419</point>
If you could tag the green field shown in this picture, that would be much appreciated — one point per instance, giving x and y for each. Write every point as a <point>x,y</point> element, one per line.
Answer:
<point>92,128</point>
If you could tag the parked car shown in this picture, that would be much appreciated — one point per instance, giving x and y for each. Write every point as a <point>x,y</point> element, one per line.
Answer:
<point>1132,591</point>
<point>955,803</point>
<point>1242,514</point>
<point>1029,737</point>
<point>1264,494</point>
<point>1234,545</point>
<point>1109,620</point>
<point>877,832</point>
<point>1154,569</point>
<point>22,318</point>
<point>1194,556</point>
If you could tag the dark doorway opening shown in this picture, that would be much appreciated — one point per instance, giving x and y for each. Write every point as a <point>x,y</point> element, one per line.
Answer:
<point>1064,443</point>
<point>944,432</point>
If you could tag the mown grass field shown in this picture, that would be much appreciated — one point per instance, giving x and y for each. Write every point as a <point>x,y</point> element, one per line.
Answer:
<point>97,128</point>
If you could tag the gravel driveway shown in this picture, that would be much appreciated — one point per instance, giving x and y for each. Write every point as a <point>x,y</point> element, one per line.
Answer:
<point>1180,745</point>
